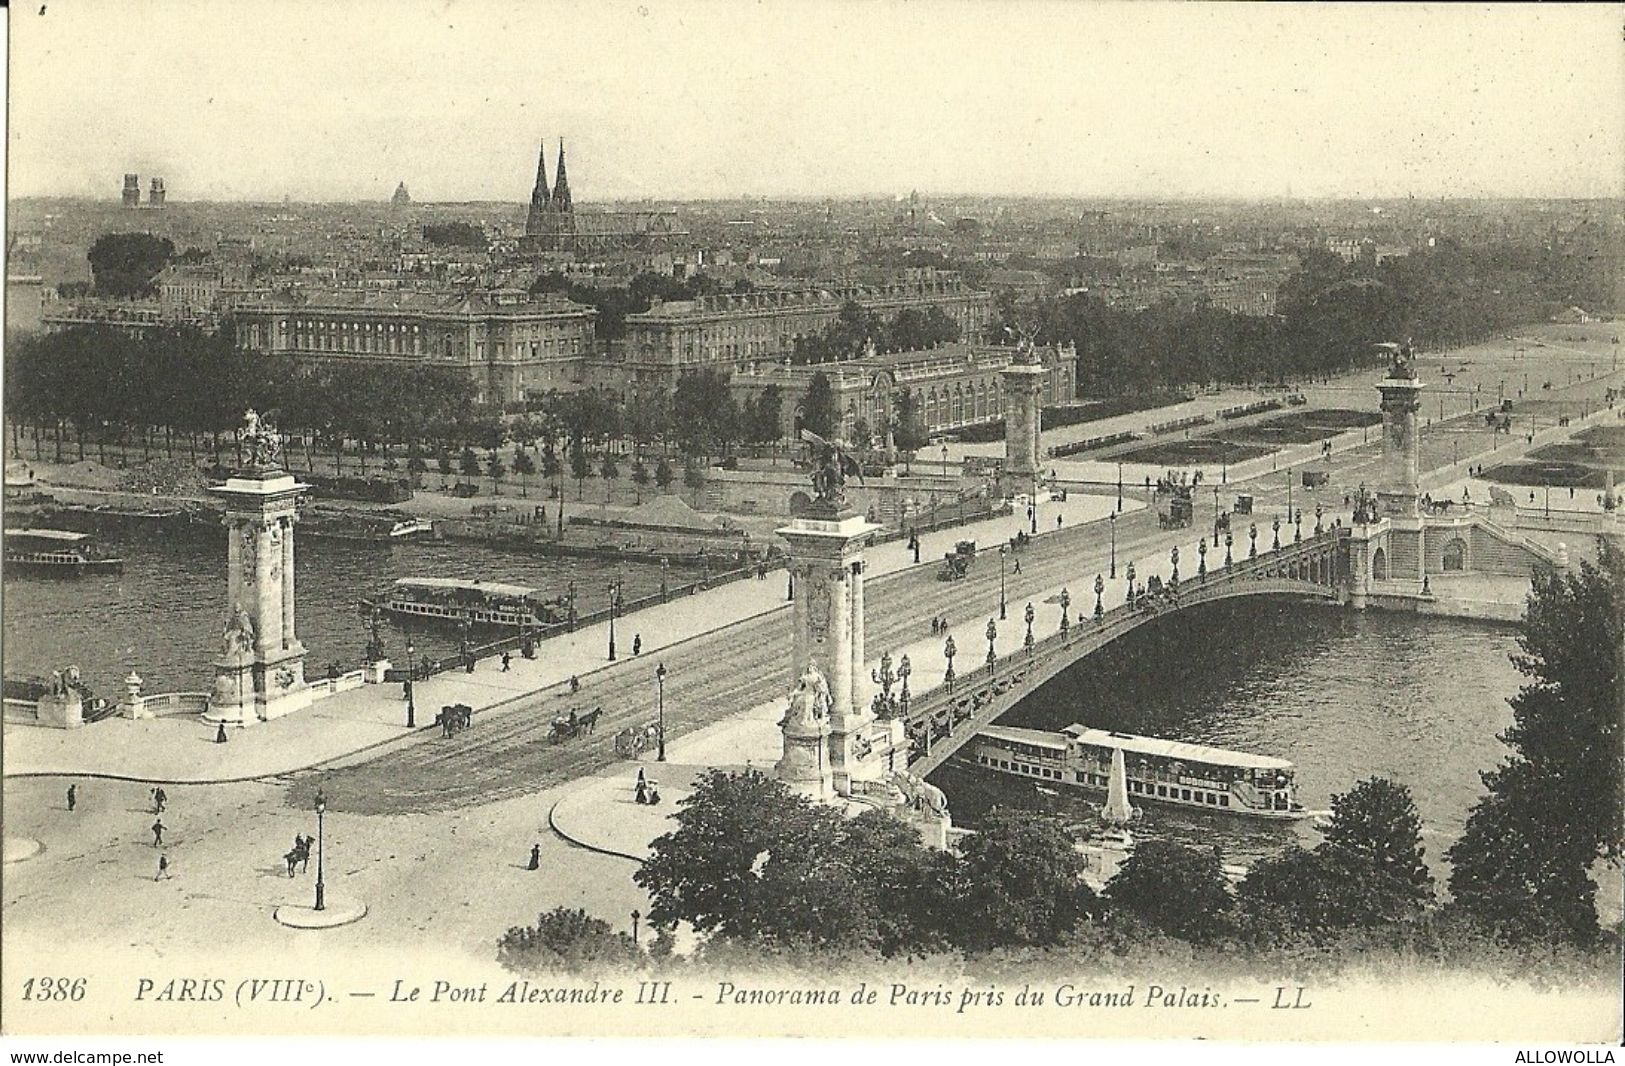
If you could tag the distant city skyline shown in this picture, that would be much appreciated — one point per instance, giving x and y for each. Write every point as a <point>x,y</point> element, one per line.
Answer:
<point>696,101</point>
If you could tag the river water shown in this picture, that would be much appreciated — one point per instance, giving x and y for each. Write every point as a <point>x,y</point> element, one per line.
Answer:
<point>162,616</point>
<point>1343,695</point>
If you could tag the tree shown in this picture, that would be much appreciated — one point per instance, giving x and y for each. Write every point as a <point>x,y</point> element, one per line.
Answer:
<point>610,471</point>
<point>524,466</point>
<point>1179,890</point>
<point>693,474</point>
<point>456,235</point>
<point>818,411</point>
<point>1522,865</point>
<point>496,470</point>
<point>470,464</point>
<point>1376,824</point>
<point>580,466</point>
<point>565,941</point>
<point>125,264</point>
<point>663,474</point>
<point>640,476</point>
<point>1018,882</point>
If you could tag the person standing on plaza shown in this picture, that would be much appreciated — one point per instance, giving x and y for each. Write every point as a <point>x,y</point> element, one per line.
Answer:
<point>163,868</point>
<point>535,857</point>
<point>158,833</point>
<point>159,799</point>
<point>220,734</point>
<point>575,685</point>
<point>637,644</point>
<point>507,661</point>
<point>73,796</point>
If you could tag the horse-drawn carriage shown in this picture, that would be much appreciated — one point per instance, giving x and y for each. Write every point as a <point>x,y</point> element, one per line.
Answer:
<point>571,726</point>
<point>454,718</point>
<point>956,564</point>
<point>635,740</point>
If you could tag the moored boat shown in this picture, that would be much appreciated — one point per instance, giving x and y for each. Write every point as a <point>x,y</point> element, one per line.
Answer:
<point>478,603</point>
<point>1154,770</point>
<point>390,527</point>
<point>56,551</point>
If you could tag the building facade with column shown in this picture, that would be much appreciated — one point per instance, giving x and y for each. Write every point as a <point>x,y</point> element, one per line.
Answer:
<point>510,344</point>
<point>733,330</point>
<point>954,386</point>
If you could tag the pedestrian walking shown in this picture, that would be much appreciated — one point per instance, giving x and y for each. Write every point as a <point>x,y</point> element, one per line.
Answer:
<point>159,799</point>
<point>640,775</point>
<point>535,857</point>
<point>507,661</point>
<point>73,796</point>
<point>163,868</point>
<point>637,638</point>
<point>641,793</point>
<point>158,833</point>
<point>575,685</point>
<point>1018,565</point>
<point>654,796</point>
<point>1057,523</point>
<point>220,734</point>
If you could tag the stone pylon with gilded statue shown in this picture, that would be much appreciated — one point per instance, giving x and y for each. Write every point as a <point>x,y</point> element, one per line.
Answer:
<point>260,670</point>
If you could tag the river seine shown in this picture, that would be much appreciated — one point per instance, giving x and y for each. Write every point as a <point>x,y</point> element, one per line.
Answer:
<point>1342,695</point>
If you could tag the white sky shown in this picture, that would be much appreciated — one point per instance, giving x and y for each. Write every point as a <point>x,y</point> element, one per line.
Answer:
<point>340,99</point>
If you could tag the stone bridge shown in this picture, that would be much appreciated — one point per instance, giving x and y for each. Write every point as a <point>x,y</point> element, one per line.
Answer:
<point>939,721</point>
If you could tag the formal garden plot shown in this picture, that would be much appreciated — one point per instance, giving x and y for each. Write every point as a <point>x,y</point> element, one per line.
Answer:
<point>1303,427</point>
<point>1199,450</point>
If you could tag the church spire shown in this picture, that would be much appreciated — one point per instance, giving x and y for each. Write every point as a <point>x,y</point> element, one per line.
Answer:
<point>561,183</point>
<point>539,196</point>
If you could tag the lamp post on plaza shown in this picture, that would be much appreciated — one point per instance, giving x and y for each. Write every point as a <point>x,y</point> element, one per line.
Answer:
<point>1297,525</point>
<point>948,651</point>
<point>1173,560</point>
<point>1001,582</point>
<point>321,885</point>
<point>660,711</point>
<point>904,668</point>
<point>614,588</point>
<point>992,657</point>
<point>1131,582</point>
<point>1229,539</point>
<point>411,699</point>
<point>1252,540</point>
<point>1289,490</point>
<point>571,597</point>
<point>1066,605</point>
<point>1215,514</point>
<point>1119,486</point>
<point>1027,641</point>
<point>1276,526</point>
<point>1113,518</point>
<point>1201,557</point>
<point>944,460</point>
<point>1317,519</point>
<point>1100,587</point>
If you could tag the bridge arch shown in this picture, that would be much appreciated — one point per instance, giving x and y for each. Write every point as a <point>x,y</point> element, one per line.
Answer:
<point>1379,565</point>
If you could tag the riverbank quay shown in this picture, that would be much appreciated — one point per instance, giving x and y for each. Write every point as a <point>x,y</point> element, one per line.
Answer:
<point>182,748</point>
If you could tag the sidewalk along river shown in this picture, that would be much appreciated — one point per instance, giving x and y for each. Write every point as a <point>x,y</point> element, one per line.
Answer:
<point>1343,695</point>
<point>163,615</point>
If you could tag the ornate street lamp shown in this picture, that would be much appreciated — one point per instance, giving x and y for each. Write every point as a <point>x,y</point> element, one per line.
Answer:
<point>571,594</point>
<point>1317,519</point>
<point>1113,517</point>
<point>660,710</point>
<point>1173,558</point>
<point>1201,557</point>
<point>904,668</point>
<point>992,633</point>
<point>1252,540</point>
<point>948,651</point>
<point>1229,539</point>
<point>613,599</point>
<point>1066,605</point>
<point>1131,582</point>
<point>1100,587</point>
<point>1001,582</point>
<point>1297,525</point>
<point>885,679</point>
<point>321,886</point>
<point>1027,641</point>
<point>411,699</point>
<point>1275,526</point>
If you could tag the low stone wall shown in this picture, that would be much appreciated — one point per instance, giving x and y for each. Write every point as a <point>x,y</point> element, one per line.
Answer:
<point>165,704</point>
<point>22,712</point>
<point>321,688</point>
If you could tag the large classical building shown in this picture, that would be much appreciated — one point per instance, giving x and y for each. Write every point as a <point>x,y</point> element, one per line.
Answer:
<point>734,331</point>
<point>954,386</point>
<point>510,343</point>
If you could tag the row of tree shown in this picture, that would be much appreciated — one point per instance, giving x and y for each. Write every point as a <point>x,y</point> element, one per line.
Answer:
<point>614,303</point>
<point>856,328</point>
<point>750,864</point>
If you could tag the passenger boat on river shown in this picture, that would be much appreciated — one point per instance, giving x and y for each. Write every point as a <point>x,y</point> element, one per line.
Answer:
<point>479,603</point>
<point>1157,770</point>
<point>56,551</point>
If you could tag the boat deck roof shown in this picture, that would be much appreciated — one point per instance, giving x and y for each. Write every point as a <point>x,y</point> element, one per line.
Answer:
<point>1138,745</point>
<point>488,588</point>
<point>61,536</point>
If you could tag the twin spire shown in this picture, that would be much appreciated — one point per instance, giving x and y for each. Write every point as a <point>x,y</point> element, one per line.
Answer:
<point>558,197</point>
